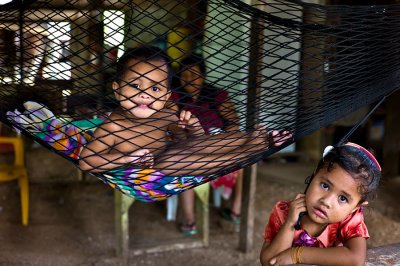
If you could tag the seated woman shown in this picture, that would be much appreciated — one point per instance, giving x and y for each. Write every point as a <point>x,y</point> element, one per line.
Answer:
<point>216,114</point>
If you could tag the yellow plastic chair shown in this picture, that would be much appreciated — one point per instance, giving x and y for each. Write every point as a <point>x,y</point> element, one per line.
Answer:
<point>17,171</point>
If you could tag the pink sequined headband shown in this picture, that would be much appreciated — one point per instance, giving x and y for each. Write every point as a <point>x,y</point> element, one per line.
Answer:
<point>369,154</point>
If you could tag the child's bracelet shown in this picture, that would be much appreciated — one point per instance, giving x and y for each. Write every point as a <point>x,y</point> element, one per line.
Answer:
<point>298,254</point>
<point>293,253</point>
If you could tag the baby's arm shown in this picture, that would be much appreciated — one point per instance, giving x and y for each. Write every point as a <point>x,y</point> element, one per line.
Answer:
<point>284,238</point>
<point>96,156</point>
<point>352,253</point>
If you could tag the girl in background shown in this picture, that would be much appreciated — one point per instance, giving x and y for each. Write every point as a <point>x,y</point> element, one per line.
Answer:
<point>216,114</point>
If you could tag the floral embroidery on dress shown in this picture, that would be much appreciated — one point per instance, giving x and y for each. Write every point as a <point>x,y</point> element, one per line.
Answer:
<point>305,240</point>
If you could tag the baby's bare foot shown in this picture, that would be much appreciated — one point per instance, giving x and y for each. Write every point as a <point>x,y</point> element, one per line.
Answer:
<point>278,138</point>
<point>141,158</point>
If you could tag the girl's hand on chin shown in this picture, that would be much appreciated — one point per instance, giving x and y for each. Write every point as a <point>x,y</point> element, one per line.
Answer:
<point>297,206</point>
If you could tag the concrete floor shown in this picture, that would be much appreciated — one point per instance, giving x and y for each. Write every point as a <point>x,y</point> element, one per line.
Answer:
<point>72,222</point>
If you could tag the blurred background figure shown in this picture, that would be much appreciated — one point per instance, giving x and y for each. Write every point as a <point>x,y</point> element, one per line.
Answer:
<point>211,105</point>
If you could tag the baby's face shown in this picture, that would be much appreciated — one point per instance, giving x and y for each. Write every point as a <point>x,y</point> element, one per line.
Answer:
<point>332,196</point>
<point>143,89</point>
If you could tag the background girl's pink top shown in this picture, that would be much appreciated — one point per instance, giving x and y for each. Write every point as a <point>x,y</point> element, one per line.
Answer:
<point>206,112</point>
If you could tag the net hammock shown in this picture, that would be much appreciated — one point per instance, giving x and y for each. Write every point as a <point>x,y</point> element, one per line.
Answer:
<point>287,67</point>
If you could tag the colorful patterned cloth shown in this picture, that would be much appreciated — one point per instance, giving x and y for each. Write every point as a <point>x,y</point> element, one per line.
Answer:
<point>147,184</point>
<point>66,138</point>
<point>333,235</point>
<point>69,137</point>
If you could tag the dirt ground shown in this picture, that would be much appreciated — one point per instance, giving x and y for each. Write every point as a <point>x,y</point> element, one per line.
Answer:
<point>72,221</point>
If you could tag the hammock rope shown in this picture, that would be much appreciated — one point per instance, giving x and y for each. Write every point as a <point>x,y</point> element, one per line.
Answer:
<point>287,68</point>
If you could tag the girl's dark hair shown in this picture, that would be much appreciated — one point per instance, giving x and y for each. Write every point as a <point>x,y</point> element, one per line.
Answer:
<point>358,164</point>
<point>144,54</point>
<point>193,60</point>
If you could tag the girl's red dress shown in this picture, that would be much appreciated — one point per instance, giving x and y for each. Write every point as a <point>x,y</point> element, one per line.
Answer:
<point>334,234</point>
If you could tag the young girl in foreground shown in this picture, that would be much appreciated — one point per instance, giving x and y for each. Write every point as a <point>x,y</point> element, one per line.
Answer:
<point>332,229</point>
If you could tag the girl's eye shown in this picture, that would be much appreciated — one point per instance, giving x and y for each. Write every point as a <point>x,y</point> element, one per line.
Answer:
<point>342,199</point>
<point>155,89</point>
<point>324,186</point>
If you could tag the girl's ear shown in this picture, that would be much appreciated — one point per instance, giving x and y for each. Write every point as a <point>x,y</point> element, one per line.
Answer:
<point>115,86</point>
<point>363,204</point>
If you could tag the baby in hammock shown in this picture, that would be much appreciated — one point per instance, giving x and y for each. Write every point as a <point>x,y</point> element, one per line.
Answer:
<point>144,133</point>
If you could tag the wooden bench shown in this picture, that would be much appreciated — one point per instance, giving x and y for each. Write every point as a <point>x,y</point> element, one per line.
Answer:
<point>122,204</point>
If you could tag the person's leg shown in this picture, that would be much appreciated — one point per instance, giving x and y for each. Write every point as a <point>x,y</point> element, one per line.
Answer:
<point>233,214</point>
<point>188,201</point>
<point>205,156</point>
<point>237,195</point>
<point>188,225</point>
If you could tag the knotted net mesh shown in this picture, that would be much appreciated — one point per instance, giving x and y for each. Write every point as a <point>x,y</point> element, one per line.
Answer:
<point>214,86</point>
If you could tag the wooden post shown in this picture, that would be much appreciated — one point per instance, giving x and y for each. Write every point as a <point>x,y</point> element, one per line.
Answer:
<point>250,173</point>
<point>203,220</point>
<point>391,143</point>
<point>97,45</point>
<point>247,212</point>
<point>122,204</point>
<point>312,77</point>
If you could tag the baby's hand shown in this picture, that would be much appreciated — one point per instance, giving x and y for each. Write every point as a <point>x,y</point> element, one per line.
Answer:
<point>278,138</point>
<point>140,157</point>
<point>297,206</point>
<point>190,122</point>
